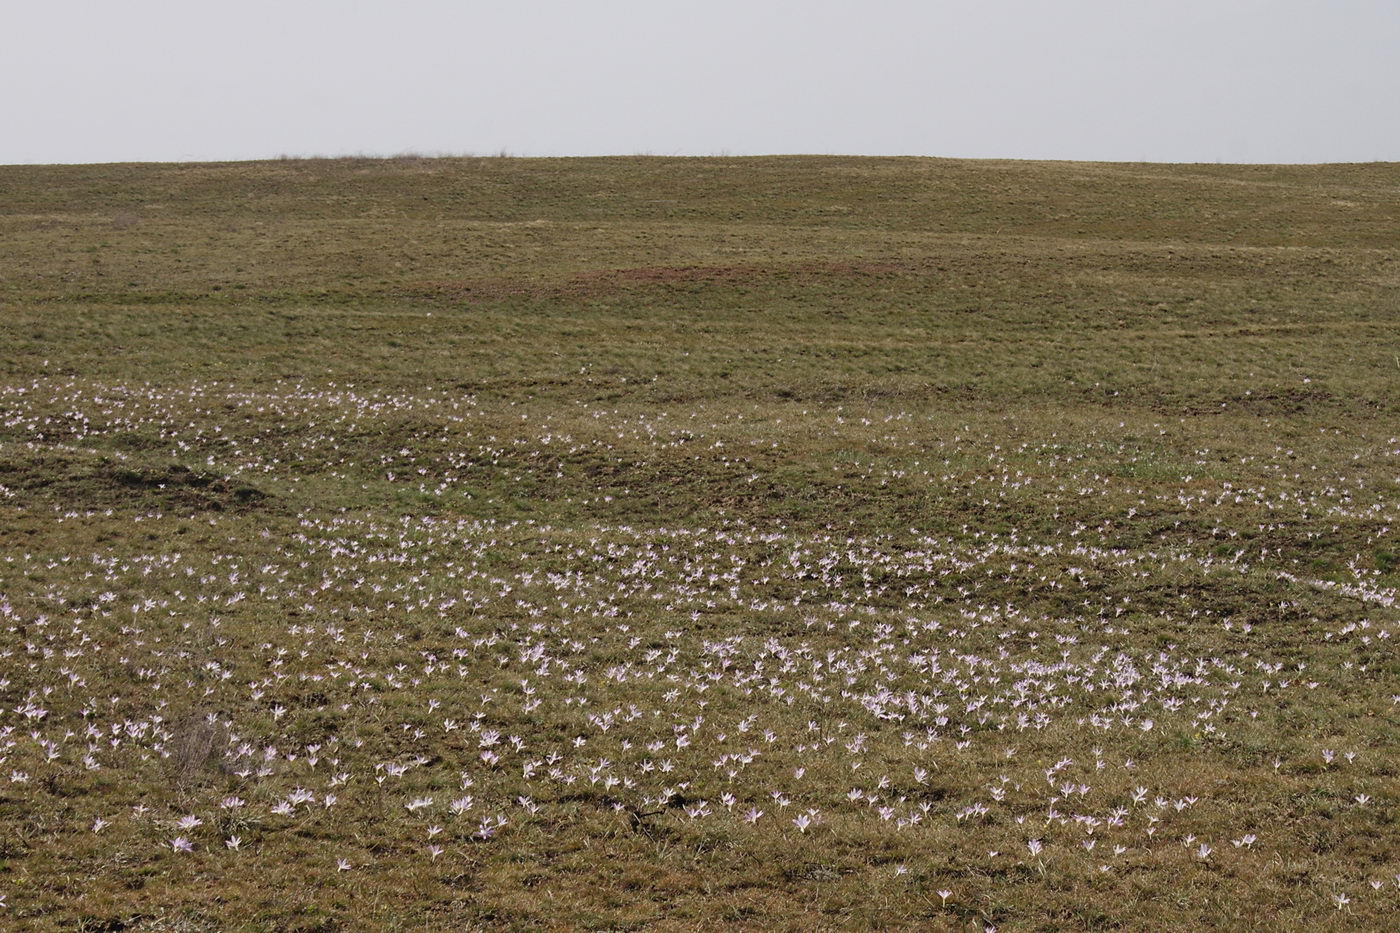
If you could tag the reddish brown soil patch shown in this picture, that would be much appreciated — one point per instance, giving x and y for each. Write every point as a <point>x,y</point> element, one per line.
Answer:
<point>604,282</point>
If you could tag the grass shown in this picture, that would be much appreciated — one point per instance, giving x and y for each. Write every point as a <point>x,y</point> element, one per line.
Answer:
<point>937,506</point>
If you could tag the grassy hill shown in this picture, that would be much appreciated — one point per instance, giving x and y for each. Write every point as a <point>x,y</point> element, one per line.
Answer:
<point>793,542</point>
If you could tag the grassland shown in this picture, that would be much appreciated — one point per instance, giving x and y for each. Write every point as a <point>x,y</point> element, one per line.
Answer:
<point>783,543</point>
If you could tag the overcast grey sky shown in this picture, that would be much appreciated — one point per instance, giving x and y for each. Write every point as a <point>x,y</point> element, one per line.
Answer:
<point>1185,80</point>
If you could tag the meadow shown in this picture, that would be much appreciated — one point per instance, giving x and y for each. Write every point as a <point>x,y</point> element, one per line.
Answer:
<point>793,543</point>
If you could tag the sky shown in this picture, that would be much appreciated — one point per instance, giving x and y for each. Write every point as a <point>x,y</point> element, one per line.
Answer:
<point>1126,80</point>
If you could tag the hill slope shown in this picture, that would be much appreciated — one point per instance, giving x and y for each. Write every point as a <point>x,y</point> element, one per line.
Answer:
<point>690,543</point>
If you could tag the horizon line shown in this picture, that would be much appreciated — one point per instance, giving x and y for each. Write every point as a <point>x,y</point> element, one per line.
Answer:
<point>505,154</point>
